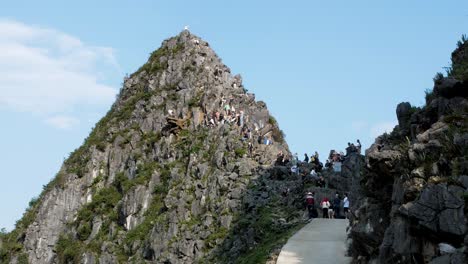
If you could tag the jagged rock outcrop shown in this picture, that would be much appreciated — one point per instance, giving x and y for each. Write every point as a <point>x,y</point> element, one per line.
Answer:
<point>161,179</point>
<point>411,201</point>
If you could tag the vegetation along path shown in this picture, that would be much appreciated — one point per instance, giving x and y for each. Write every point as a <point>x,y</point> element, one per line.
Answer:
<point>320,241</point>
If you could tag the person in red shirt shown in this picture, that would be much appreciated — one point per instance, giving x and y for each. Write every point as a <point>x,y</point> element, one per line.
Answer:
<point>310,203</point>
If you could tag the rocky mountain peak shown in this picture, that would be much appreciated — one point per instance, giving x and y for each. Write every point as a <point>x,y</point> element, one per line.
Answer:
<point>179,59</point>
<point>162,176</point>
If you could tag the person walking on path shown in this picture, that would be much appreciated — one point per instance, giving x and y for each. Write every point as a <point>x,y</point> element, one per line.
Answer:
<point>325,204</point>
<point>336,205</point>
<point>310,203</point>
<point>346,206</point>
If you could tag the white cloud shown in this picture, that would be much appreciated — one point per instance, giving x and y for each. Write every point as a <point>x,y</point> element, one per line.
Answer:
<point>359,126</point>
<point>382,127</point>
<point>62,122</point>
<point>47,72</point>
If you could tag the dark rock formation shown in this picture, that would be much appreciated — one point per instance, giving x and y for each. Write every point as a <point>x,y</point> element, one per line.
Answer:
<point>411,199</point>
<point>450,88</point>
<point>403,112</point>
<point>439,208</point>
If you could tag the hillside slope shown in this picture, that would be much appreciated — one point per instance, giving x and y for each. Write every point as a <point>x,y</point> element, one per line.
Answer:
<point>161,179</point>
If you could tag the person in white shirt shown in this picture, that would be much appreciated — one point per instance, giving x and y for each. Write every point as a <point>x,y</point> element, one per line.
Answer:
<point>346,205</point>
<point>325,204</point>
<point>314,174</point>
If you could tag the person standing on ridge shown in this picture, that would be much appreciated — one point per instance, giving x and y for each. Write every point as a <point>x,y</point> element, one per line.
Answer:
<point>313,174</point>
<point>346,205</point>
<point>241,118</point>
<point>279,159</point>
<point>306,158</point>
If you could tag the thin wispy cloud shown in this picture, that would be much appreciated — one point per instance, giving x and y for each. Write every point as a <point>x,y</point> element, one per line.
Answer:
<point>47,72</point>
<point>62,122</point>
<point>359,126</point>
<point>382,127</point>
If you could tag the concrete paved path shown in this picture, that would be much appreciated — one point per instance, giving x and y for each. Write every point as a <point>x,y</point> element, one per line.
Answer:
<point>320,241</point>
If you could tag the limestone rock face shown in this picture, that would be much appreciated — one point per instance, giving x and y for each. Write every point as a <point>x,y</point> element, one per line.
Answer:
<point>439,209</point>
<point>451,87</point>
<point>163,178</point>
<point>403,112</point>
<point>412,195</point>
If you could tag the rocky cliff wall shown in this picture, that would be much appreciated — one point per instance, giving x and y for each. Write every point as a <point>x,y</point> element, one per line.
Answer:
<point>411,199</point>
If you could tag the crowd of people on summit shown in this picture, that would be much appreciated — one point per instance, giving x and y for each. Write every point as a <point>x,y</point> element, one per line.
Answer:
<point>339,206</point>
<point>227,114</point>
<point>313,162</point>
<point>311,168</point>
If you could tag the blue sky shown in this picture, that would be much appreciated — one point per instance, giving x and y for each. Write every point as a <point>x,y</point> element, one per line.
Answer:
<point>330,71</point>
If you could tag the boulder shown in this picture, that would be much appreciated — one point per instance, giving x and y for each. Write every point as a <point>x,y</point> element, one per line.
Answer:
<point>450,87</point>
<point>445,248</point>
<point>384,161</point>
<point>461,140</point>
<point>440,210</point>
<point>464,181</point>
<point>457,258</point>
<point>398,241</point>
<point>436,131</point>
<point>403,112</point>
